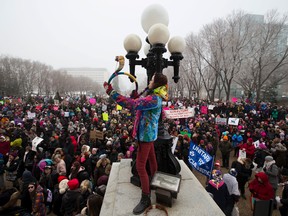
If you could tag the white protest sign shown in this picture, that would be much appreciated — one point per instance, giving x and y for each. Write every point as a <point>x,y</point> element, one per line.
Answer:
<point>242,153</point>
<point>233,121</point>
<point>66,114</point>
<point>35,142</point>
<point>175,140</point>
<point>104,107</point>
<point>211,107</point>
<point>31,115</point>
<point>221,121</point>
<point>180,113</point>
<point>256,144</point>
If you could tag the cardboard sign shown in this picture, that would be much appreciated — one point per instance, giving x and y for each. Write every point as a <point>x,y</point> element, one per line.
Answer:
<point>35,142</point>
<point>221,121</point>
<point>233,121</point>
<point>93,135</point>
<point>180,113</point>
<point>99,134</point>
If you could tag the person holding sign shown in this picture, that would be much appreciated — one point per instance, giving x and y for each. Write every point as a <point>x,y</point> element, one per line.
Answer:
<point>148,110</point>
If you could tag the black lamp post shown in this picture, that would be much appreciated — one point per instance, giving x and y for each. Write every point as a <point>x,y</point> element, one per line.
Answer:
<point>154,22</point>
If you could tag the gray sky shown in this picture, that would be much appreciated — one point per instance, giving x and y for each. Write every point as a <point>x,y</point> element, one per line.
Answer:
<point>90,33</point>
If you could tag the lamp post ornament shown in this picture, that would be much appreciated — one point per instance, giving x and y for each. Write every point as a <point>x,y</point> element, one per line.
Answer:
<point>154,142</point>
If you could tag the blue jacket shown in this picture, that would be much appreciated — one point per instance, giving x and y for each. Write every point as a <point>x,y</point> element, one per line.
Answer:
<point>148,110</point>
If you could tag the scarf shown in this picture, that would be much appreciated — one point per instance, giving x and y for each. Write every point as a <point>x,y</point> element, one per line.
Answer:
<point>162,91</point>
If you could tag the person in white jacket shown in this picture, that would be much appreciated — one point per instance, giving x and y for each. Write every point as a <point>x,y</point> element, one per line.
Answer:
<point>232,185</point>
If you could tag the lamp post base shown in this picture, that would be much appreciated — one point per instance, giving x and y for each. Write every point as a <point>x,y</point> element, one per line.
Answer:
<point>166,161</point>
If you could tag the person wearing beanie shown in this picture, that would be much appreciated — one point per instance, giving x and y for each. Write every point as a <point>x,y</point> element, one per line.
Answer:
<point>232,185</point>
<point>37,197</point>
<point>59,193</point>
<point>243,166</point>
<point>273,173</point>
<point>12,167</point>
<point>26,201</point>
<point>71,201</point>
<point>249,148</point>
<point>225,148</point>
<point>261,188</point>
<point>218,188</point>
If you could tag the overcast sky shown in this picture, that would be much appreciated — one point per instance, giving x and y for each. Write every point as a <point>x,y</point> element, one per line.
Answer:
<point>90,33</point>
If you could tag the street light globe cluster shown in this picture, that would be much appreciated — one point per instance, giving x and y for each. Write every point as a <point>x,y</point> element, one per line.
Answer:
<point>155,22</point>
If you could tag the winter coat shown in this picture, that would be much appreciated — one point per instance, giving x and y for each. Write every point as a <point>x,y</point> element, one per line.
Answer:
<point>232,184</point>
<point>61,167</point>
<point>38,202</point>
<point>260,155</point>
<point>262,191</point>
<point>220,194</point>
<point>272,171</point>
<point>71,201</point>
<point>243,172</point>
<point>4,147</point>
<point>250,150</point>
<point>148,110</point>
<point>225,147</point>
<point>280,155</point>
<point>236,139</point>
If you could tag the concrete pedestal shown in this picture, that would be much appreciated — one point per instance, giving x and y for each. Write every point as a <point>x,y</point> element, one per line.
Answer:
<point>122,196</point>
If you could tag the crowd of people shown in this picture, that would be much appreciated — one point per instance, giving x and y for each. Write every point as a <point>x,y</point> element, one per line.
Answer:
<point>67,171</point>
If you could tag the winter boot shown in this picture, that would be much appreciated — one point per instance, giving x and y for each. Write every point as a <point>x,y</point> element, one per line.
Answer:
<point>144,203</point>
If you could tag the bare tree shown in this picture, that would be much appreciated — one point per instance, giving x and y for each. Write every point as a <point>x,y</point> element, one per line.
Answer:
<point>268,54</point>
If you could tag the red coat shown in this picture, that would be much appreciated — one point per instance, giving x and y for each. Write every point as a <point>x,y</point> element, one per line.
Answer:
<point>4,147</point>
<point>262,191</point>
<point>250,150</point>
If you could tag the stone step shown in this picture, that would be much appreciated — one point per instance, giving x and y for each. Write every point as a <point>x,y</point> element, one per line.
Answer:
<point>121,196</point>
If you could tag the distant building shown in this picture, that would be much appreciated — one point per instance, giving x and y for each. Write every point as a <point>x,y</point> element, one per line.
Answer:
<point>98,75</point>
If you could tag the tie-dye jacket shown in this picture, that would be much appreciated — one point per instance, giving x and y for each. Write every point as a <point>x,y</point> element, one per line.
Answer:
<point>148,110</point>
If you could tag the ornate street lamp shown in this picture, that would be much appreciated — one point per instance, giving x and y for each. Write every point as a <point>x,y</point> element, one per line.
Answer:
<point>154,21</point>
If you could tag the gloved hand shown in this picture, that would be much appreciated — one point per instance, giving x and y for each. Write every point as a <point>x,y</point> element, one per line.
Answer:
<point>108,88</point>
<point>277,198</point>
<point>134,94</point>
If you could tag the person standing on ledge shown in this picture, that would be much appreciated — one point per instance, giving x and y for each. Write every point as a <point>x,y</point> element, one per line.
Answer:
<point>148,110</point>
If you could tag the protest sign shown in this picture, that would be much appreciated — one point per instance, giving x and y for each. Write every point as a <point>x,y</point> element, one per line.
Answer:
<point>242,153</point>
<point>66,114</point>
<point>92,101</point>
<point>99,135</point>
<point>118,107</point>
<point>105,116</point>
<point>221,121</point>
<point>256,143</point>
<point>180,113</point>
<point>93,135</point>
<point>174,141</point>
<point>35,142</point>
<point>31,115</point>
<point>200,160</point>
<point>233,121</point>
<point>211,107</point>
